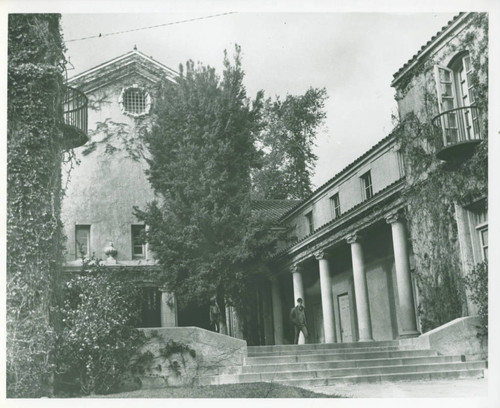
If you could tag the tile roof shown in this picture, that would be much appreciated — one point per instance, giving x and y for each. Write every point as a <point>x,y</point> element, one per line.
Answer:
<point>134,54</point>
<point>340,173</point>
<point>344,215</point>
<point>273,209</point>
<point>428,43</point>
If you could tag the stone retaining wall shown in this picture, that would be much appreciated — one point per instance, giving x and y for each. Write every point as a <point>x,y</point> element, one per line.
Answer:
<point>202,352</point>
<point>458,337</point>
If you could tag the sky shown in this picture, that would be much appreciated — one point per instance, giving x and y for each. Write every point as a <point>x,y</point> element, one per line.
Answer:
<point>352,55</point>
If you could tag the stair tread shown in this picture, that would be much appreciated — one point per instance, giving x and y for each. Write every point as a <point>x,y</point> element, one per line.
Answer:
<point>350,362</point>
<point>473,371</point>
<point>453,363</point>
<point>303,357</point>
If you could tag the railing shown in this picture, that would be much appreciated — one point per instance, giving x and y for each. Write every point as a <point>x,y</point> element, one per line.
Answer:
<point>458,125</point>
<point>75,113</point>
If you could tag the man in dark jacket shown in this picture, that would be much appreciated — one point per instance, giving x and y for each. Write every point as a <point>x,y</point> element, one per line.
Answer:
<point>298,318</point>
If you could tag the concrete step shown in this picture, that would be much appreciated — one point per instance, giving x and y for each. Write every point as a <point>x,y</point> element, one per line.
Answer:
<point>264,368</point>
<point>319,346</point>
<point>335,355</point>
<point>302,352</point>
<point>312,377</point>
<point>380,378</point>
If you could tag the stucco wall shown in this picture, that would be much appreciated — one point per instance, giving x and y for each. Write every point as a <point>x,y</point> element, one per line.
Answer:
<point>384,169</point>
<point>381,300</point>
<point>413,97</point>
<point>106,185</point>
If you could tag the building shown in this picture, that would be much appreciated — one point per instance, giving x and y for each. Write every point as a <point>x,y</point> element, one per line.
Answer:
<point>109,181</point>
<point>354,255</point>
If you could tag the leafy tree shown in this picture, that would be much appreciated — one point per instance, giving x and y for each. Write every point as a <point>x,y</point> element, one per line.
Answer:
<point>202,150</point>
<point>286,141</point>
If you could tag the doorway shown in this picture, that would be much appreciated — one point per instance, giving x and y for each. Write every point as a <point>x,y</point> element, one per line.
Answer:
<point>345,318</point>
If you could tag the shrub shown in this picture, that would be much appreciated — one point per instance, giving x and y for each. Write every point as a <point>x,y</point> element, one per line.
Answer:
<point>477,283</point>
<point>98,337</point>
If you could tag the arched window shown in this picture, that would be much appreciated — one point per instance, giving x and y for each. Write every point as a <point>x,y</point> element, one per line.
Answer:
<point>456,95</point>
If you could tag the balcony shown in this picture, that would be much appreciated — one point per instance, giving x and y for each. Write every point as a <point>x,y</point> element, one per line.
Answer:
<point>460,132</point>
<point>75,113</point>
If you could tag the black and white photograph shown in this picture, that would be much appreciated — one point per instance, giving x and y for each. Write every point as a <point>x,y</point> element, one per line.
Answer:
<point>225,201</point>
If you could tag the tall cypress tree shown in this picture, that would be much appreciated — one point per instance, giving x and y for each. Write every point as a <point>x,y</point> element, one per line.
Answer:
<point>202,149</point>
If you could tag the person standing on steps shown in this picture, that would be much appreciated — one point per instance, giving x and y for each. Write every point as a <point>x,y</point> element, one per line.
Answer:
<point>298,318</point>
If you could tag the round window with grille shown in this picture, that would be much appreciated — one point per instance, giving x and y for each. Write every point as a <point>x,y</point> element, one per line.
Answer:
<point>135,101</point>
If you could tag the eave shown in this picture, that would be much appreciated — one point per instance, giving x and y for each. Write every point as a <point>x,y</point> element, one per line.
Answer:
<point>358,217</point>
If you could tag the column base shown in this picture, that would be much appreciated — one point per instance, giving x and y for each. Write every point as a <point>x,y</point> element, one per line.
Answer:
<point>365,340</point>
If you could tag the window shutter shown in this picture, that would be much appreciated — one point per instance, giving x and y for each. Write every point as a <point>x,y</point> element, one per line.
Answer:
<point>447,103</point>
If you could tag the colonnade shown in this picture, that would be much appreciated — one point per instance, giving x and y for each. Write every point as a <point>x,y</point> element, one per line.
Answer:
<point>407,318</point>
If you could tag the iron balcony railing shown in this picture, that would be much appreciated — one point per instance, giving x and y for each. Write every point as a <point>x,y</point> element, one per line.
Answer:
<point>458,125</point>
<point>75,113</point>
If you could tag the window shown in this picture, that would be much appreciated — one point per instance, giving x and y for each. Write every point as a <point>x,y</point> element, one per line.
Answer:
<point>457,96</point>
<point>138,242</point>
<point>135,101</point>
<point>310,222</point>
<point>335,206</point>
<point>366,185</point>
<point>82,241</point>
<point>483,241</point>
<point>477,215</point>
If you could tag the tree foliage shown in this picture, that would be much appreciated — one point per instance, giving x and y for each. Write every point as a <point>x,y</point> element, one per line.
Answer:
<point>99,314</point>
<point>286,143</point>
<point>202,149</point>
<point>34,237</point>
<point>477,283</point>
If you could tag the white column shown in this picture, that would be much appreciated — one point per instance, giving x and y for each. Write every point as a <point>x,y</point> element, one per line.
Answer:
<point>360,289</point>
<point>168,309</point>
<point>298,292</point>
<point>326,297</point>
<point>277,312</point>
<point>407,316</point>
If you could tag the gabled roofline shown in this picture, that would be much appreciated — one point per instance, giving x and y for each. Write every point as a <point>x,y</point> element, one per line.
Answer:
<point>120,58</point>
<point>430,45</point>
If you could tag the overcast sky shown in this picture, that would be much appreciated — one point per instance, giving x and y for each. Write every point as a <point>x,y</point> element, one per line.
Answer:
<point>352,55</point>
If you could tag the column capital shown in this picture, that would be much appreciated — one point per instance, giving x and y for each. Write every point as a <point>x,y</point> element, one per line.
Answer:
<point>296,268</point>
<point>354,237</point>
<point>393,217</point>
<point>321,254</point>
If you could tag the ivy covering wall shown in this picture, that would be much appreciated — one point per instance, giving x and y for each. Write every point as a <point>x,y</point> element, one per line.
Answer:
<point>34,238</point>
<point>435,188</point>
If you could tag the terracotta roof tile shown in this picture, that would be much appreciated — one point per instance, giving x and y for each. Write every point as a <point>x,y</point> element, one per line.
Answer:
<point>428,43</point>
<point>273,209</point>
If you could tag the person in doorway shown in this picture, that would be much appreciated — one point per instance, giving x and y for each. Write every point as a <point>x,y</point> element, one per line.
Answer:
<point>298,319</point>
<point>214,315</point>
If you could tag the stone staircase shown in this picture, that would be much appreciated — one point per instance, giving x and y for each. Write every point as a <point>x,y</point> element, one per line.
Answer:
<point>329,364</point>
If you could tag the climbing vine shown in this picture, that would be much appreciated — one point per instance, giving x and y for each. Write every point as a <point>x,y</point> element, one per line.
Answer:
<point>434,188</point>
<point>34,243</point>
